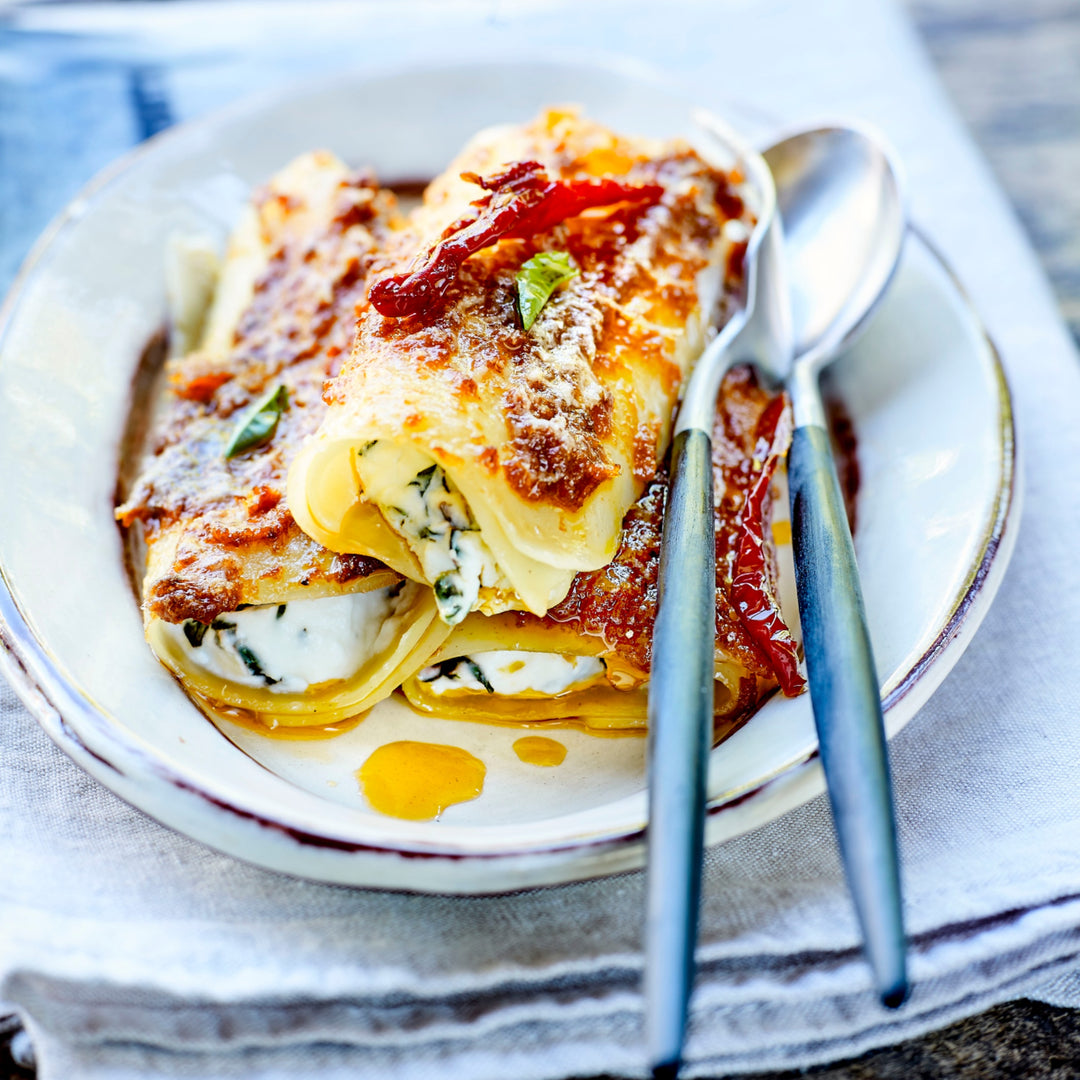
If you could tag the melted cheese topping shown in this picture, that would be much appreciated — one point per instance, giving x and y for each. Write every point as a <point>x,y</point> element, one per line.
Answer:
<point>219,531</point>
<point>512,672</point>
<point>548,434</point>
<point>288,647</point>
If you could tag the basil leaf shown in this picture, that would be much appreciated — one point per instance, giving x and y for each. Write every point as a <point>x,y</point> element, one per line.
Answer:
<point>538,279</point>
<point>259,422</point>
<point>195,632</point>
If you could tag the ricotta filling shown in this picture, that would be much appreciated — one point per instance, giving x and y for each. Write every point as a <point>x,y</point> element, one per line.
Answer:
<point>286,648</point>
<point>513,671</point>
<point>431,514</point>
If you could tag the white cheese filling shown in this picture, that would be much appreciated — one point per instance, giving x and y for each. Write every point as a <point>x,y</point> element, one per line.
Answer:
<point>434,519</point>
<point>285,648</point>
<point>513,671</point>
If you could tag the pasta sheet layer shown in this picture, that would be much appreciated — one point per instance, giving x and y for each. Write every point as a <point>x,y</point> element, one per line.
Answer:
<point>547,435</point>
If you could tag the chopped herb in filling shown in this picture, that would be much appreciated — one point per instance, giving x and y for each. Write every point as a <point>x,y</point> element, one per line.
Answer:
<point>195,632</point>
<point>251,662</point>
<point>478,675</point>
<point>290,647</point>
<point>433,517</point>
<point>512,672</point>
<point>448,669</point>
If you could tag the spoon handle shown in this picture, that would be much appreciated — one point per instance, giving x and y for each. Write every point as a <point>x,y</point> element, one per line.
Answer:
<point>847,704</point>
<point>680,736</point>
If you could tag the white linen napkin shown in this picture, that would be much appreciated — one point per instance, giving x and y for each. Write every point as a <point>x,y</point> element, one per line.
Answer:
<point>131,951</point>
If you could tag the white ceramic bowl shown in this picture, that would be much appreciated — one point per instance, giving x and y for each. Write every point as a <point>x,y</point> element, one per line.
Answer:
<point>937,505</point>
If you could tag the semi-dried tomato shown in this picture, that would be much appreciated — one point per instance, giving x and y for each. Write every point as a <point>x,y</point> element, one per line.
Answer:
<point>522,201</point>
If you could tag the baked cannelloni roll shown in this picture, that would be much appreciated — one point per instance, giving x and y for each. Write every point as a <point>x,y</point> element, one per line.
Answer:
<point>517,361</point>
<point>589,657</point>
<point>247,610</point>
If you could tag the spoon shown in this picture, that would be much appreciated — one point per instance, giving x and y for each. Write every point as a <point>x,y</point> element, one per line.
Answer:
<point>841,204</point>
<point>683,665</point>
<point>830,206</point>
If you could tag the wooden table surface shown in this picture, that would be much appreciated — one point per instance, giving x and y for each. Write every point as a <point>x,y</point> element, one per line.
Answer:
<point>1013,69</point>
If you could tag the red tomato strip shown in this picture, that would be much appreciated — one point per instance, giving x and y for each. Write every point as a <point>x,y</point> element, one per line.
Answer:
<point>751,587</point>
<point>521,202</point>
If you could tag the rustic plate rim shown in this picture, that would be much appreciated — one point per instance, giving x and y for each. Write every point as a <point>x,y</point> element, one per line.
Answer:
<point>83,731</point>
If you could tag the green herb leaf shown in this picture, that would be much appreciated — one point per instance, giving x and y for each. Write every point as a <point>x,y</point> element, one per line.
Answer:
<point>479,676</point>
<point>195,632</point>
<point>449,598</point>
<point>259,422</point>
<point>423,479</point>
<point>538,279</point>
<point>446,587</point>
<point>251,662</point>
<point>444,669</point>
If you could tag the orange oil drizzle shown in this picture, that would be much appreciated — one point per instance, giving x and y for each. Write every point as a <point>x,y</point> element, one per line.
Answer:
<point>251,721</point>
<point>537,750</point>
<point>567,723</point>
<point>418,781</point>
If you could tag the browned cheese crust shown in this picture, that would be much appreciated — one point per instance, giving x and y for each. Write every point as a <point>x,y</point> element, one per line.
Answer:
<point>561,417</point>
<point>618,603</point>
<point>219,531</point>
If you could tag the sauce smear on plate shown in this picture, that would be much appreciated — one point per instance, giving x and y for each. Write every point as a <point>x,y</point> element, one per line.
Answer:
<point>538,750</point>
<point>418,780</point>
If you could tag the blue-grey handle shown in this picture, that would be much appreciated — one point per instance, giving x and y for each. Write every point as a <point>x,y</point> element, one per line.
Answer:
<point>680,736</point>
<point>847,704</point>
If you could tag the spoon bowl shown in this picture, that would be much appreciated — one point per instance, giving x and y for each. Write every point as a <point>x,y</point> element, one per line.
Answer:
<point>839,196</point>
